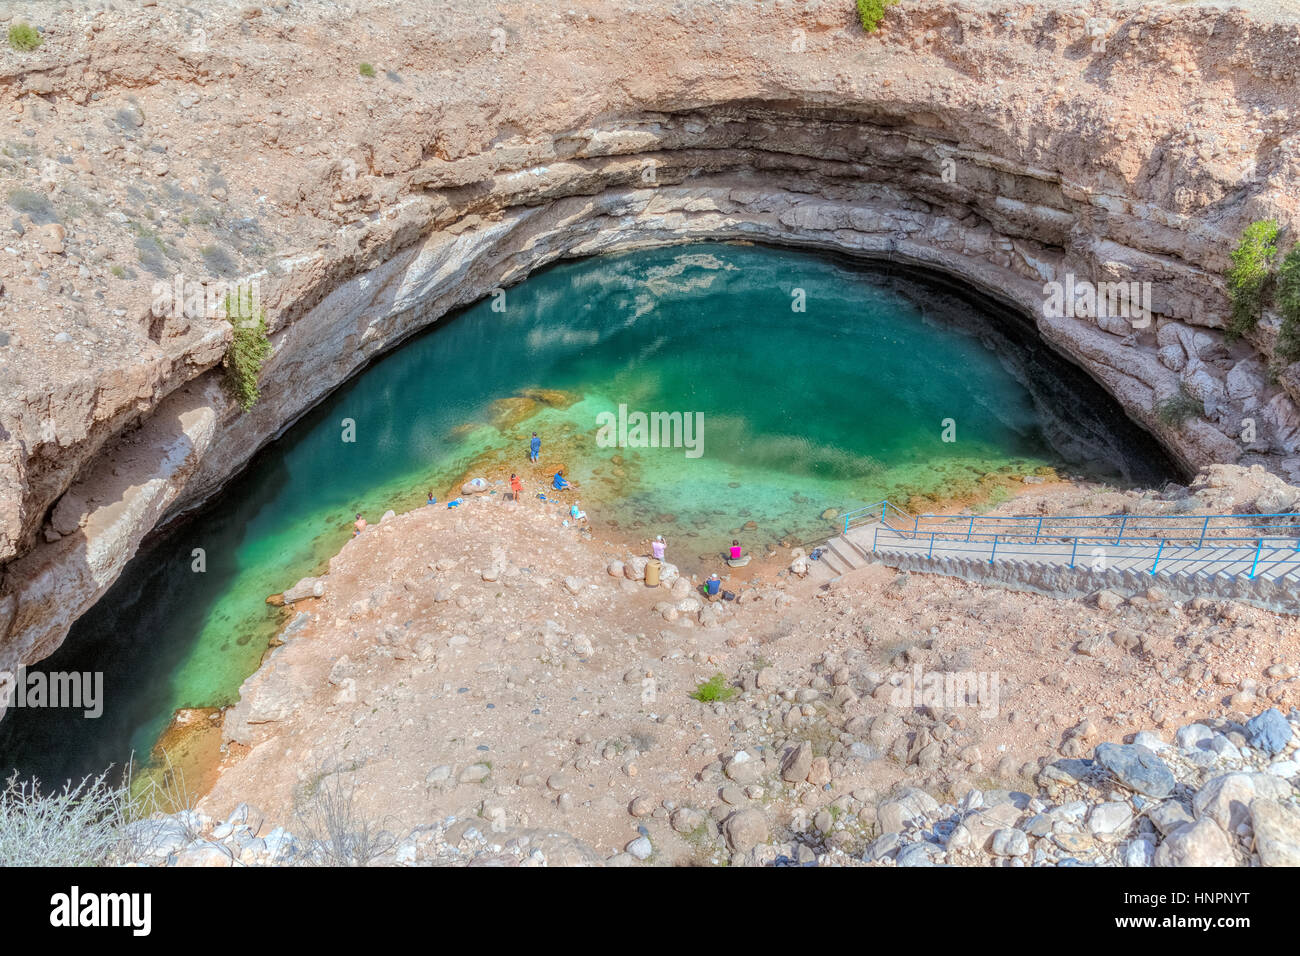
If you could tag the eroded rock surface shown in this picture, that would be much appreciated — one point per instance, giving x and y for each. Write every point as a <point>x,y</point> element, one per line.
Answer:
<point>998,141</point>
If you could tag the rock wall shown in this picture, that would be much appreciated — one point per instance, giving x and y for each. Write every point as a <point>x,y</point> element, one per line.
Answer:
<point>1011,145</point>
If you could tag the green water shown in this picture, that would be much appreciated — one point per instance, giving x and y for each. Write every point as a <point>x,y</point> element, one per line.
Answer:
<point>834,406</point>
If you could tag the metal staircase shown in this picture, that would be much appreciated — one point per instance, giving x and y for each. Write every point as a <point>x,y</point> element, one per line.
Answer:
<point>1235,554</point>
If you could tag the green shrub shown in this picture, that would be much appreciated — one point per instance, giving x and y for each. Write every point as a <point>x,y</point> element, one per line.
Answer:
<point>248,351</point>
<point>871,12</point>
<point>1251,275</point>
<point>715,688</point>
<point>1178,408</point>
<point>1288,303</point>
<point>24,37</point>
<point>367,69</point>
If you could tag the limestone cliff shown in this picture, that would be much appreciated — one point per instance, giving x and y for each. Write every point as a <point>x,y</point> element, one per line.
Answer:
<point>1010,144</point>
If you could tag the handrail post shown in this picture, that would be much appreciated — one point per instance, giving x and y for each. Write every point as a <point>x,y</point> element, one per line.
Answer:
<point>1204,528</point>
<point>1123,521</point>
<point>1038,530</point>
<point>994,552</point>
<point>1074,548</point>
<point>846,524</point>
<point>874,539</point>
<point>1159,551</point>
<point>930,553</point>
<point>971,528</point>
<point>1254,564</point>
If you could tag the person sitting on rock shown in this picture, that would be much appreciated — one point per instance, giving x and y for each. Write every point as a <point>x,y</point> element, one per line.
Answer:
<point>431,499</point>
<point>575,513</point>
<point>657,547</point>
<point>736,552</point>
<point>359,525</point>
<point>560,483</point>
<point>713,585</point>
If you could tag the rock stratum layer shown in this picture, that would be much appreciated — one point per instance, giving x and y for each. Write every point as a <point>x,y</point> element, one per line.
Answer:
<point>1009,144</point>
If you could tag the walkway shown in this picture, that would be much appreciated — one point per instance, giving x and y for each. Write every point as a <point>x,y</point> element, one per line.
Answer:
<point>1255,557</point>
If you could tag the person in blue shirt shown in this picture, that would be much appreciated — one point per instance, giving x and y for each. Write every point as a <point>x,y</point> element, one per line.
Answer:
<point>712,585</point>
<point>534,448</point>
<point>560,483</point>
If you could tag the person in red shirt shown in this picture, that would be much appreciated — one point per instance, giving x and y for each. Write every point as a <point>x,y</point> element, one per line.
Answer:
<point>516,486</point>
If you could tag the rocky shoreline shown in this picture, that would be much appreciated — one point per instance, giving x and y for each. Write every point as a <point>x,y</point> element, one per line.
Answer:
<point>471,708</point>
<point>1223,794</point>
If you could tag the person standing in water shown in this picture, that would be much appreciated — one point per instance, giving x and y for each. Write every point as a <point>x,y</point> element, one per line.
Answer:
<point>657,547</point>
<point>534,448</point>
<point>359,525</point>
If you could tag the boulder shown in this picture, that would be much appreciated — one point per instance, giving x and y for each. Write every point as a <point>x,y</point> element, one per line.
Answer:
<point>1269,731</point>
<point>1226,799</point>
<point>797,763</point>
<point>634,567</point>
<point>1202,843</point>
<point>1277,832</point>
<point>306,588</point>
<point>1137,768</point>
<point>745,829</point>
<point>909,806</point>
<point>1010,842</point>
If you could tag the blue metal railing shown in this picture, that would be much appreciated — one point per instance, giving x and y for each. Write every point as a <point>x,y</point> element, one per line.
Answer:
<point>1268,543</point>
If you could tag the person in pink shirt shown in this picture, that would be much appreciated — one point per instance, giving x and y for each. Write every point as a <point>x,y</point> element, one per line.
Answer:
<point>657,547</point>
<point>735,550</point>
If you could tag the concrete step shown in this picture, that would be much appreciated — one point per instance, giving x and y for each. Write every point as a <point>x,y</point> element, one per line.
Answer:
<point>834,564</point>
<point>845,553</point>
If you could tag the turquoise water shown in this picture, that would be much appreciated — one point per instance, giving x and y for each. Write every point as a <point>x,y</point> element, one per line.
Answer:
<point>830,407</point>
